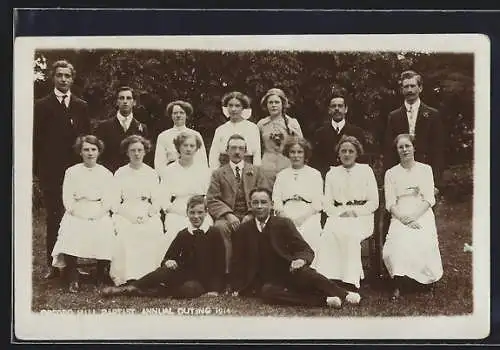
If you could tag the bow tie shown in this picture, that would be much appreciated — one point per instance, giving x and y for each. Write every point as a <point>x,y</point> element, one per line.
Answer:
<point>197,232</point>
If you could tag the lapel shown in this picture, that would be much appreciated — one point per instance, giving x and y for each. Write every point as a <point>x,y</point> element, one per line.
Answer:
<point>422,120</point>
<point>117,126</point>
<point>405,125</point>
<point>134,127</point>
<point>228,176</point>
<point>248,177</point>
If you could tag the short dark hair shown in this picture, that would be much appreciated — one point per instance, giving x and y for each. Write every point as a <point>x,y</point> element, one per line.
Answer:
<point>179,139</point>
<point>302,142</point>
<point>77,147</point>
<point>195,200</point>
<point>401,136</point>
<point>126,88</point>
<point>261,189</point>
<point>408,74</point>
<point>124,145</point>
<point>244,99</point>
<point>353,141</point>
<point>235,137</point>
<point>186,107</point>
<point>63,64</point>
<point>339,92</point>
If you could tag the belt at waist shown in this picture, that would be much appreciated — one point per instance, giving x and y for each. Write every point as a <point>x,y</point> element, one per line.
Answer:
<point>297,198</point>
<point>353,202</point>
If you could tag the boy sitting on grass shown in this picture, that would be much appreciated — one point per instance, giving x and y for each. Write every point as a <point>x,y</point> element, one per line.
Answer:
<point>193,265</point>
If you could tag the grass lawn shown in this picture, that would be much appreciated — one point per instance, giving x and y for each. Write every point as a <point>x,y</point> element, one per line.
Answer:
<point>452,295</point>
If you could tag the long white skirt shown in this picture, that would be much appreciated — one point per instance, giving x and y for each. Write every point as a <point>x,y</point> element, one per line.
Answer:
<point>175,223</point>
<point>139,250</point>
<point>414,253</point>
<point>83,238</point>
<point>340,253</point>
<point>310,229</point>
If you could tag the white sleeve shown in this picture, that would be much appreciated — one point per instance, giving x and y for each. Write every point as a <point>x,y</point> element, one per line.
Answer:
<point>329,198</point>
<point>160,154</point>
<point>278,192</point>
<point>317,187</point>
<point>427,185</point>
<point>68,189</point>
<point>201,154</point>
<point>213,158</point>
<point>371,193</point>
<point>257,157</point>
<point>389,189</point>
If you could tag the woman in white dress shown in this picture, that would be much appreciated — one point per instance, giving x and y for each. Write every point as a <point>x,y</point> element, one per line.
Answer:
<point>140,242</point>
<point>298,193</point>
<point>166,152</point>
<point>180,181</point>
<point>86,229</point>
<point>351,198</point>
<point>276,129</point>
<point>411,249</point>
<point>236,107</point>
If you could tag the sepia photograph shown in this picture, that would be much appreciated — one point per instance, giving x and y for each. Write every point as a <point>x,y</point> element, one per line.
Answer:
<point>252,187</point>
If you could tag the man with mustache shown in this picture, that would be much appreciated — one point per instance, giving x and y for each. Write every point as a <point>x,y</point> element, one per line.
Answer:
<point>59,118</point>
<point>118,127</point>
<point>420,120</point>
<point>328,135</point>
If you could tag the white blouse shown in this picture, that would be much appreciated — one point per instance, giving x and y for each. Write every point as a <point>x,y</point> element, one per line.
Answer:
<point>182,182</point>
<point>416,181</point>
<point>343,185</point>
<point>82,184</point>
<point>166,151</point>
<point>137,189</point>
<point>245,128</point>
<point>305,182</point>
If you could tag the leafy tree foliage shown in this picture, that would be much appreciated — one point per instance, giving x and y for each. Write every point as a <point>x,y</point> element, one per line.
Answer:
<point>202,77</point>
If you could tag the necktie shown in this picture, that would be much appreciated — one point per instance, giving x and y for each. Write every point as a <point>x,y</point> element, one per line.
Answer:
<point>336,129</point>
<point>411,120</point>
<point>63,101</point>
<point>238,176</point>
<point>197,232</point>
<point>262,225</point>
<point>124,125</point>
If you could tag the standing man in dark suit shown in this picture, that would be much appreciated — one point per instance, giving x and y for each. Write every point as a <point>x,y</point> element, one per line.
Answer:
<point>272,260</point>
<point>59,118</point>
<point>118,127</point>
<point>228,195</point>
<point>326,137</point>
<point>420,120</point>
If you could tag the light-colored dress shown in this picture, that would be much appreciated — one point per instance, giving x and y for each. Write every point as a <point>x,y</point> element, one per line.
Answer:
<point>245,128</point>
<point>295,192</point>
<point>345,190</point>
<point>166,152</point>
<point>412,252</point>
<point>87,193</point>
<point>274,135</point>
<point>178,184</point>
<point>141,246</point>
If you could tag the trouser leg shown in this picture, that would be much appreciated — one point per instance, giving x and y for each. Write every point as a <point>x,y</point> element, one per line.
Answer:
<point>225,231</point>
<point>163,275</point>
<point>70,271</point>
<point>102,272</point>
<point>187,290</point>
<point>308,279</point>
<point>52,199</point>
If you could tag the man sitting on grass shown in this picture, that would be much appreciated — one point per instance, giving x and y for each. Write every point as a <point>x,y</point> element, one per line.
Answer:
<point>194,263</point>
<point>271,260</point>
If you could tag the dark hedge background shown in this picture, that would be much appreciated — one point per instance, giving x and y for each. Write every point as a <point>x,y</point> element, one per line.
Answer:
<point>202,77</point>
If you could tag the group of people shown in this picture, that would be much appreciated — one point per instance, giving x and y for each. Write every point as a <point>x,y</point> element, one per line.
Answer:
<point>244,218</point>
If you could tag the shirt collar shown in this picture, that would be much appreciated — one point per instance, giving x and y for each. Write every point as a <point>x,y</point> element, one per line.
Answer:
<point>60,94</point>
<point>122,118</point>
<point>204,227</point>
<point>241,164</point>
<point>415,104</point>
<point>259,225</point>
<point>338,125</point>
<point>180,128</point>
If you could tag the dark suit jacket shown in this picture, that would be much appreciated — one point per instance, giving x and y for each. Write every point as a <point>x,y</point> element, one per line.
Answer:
<point>429,138</point>
<point>285,239</point>
<point>55,130</point>
<point>325,140</point>
<point>111,133</point>
<point>209,267</point>
<point>221,194</point>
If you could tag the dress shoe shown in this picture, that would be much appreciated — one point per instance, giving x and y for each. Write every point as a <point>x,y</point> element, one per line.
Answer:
<point>52,272</point>
<point>74,287</point>
<point>334,302</point>
<point>353,298</point>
